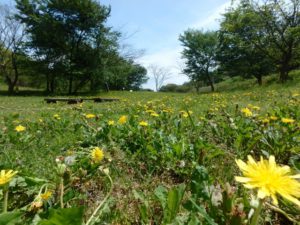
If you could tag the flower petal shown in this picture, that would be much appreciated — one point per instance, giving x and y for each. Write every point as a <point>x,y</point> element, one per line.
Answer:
<point>242,179</point>
<point>242,165</point>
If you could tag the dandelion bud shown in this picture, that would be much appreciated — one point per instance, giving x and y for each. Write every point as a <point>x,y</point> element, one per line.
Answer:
<point>61,168</point>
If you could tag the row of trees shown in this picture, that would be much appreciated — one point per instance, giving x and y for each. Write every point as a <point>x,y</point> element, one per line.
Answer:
<point>64,45</point>
<point>254,39</point>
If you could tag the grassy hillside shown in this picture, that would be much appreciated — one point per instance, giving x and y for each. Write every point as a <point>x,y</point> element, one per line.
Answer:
<point>159,148</point>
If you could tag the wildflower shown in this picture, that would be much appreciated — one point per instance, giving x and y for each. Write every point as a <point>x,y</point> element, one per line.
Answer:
<point>6,176</point>
<point>273,118</point>
<point>111,122</point>
<point>56,116</point>
<point>37,204</point>
<point>20,128</point>
<point>97,154</point>
<point>186,114</point>
<point>247,112</point>
<point>90,116</point>
<point>256,107</point>
<point>270,179</point>
<point>150,111</point>
<point>123,119</point>
<point>45,196</point>
<point>265,120</point>
<point>143,124</point>
<point>106,171</point>
<point>287,120</point>
<point>154,114</point>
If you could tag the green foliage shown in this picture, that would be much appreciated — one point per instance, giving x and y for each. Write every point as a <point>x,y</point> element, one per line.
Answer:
<point>236,54</point>
<point>72,48</point>
<point>177,167</point>
<point>257,35</point>
<point>200,55</point>
<point>170,202</point>
<point>10,218</point>
<point>70,216</point>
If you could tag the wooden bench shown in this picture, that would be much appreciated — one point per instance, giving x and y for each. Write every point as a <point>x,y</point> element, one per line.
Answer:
<point>103,99</point>
<point>68,100</point>
<point>79,100</point>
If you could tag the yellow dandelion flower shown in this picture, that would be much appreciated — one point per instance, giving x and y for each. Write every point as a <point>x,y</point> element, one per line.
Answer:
<point>111,122</point>
<point>287,120</point>
<point>256,107</point>
<point>20,128</point>
<point>97,154</point>
<point>56,116</point>
<point>265,120</point>
<point>247,112</point>
<point>6,176</point>
<point>150,111</point>
<point>143,124</point>
<point>154,114</point>
<point>90,116</point>
<point>273,118</point>
<point>45,196</point>
<point>123,119</point>
<point>270,179</point>
<point>185,114</point>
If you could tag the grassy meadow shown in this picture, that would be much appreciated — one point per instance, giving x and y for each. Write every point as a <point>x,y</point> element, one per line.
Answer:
<point>168,158</point>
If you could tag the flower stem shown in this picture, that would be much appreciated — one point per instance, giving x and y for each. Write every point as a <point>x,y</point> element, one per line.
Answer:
<point>255,217</point>
<point>96,214</point>
<point>5,199</point>
<point>62,192</point>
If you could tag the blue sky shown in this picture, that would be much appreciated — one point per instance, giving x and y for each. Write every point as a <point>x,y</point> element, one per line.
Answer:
<point>155,25</point>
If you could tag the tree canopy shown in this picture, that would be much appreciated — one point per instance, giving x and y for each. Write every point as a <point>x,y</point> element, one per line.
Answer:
<point>70,46</point>
<point>200,55</point>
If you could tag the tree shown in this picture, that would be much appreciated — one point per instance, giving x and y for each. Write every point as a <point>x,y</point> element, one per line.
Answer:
<point>236,56</point>
<point>160,75</point>
<point>11,40</point>
<point>67,38</point>
<point>273,28</point>
<point>200,56</point>
<point>136,77</point>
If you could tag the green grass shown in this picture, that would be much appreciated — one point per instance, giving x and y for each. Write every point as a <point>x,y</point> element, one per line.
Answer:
<point>207,130</point>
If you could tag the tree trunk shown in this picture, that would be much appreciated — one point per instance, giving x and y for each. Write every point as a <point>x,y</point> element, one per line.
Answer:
<point>211,83</point>
<point>14,63</point>
<point>70,84</point>
<point>107,87</point>
<point>259,79</point>
<point>284,74</point>
<point>11,88</point>
<point>52,85</point>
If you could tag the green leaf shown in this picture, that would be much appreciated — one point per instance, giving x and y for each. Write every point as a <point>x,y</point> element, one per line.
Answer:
<point>70,216</point>
<point>161,193</point>
<point>173,203</point>
<point>32,181</point>
<point>9,218</point>
<point>203,213</point>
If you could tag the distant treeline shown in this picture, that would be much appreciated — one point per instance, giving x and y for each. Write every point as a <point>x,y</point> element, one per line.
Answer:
<point>67,46</point>
<point>64,46</point>
<point>255,38</point>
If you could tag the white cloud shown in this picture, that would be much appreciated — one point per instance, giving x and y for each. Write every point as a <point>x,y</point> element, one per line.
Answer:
<point>212,21</point>
<point>171,58</point>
